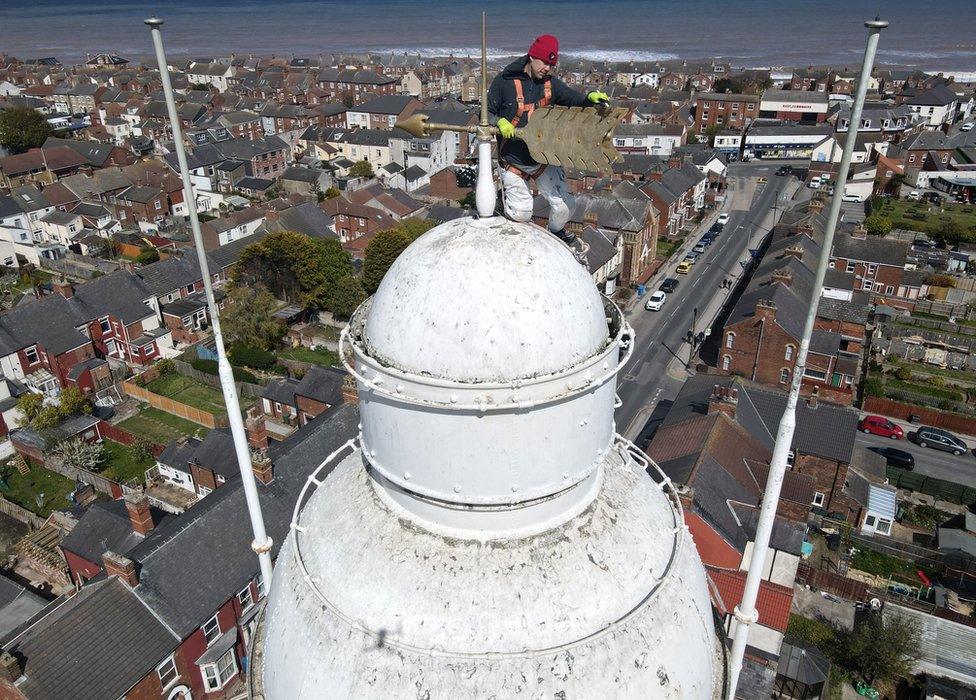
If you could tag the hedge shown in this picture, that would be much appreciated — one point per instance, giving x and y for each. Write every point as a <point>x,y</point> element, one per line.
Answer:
<point>210,367</point>
<point>252,357</point>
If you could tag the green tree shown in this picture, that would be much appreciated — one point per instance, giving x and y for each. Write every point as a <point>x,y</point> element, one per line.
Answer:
<point>22,129</point>
<point>363,169</point>
<point>147,256</point>
<point>349,295</point>
<point>247,319</point>
<point>73,402</point>
<point>711,132</point>
<point>332,192</point>
<point>29,405</point>
<point>78,453</point>
<point>294,267</point>
<point>882,648</point>
<point>878,225</point>
<point>380,253</point>
<point>951,231</point>
<point>414,228</point>
<point>894,183</point>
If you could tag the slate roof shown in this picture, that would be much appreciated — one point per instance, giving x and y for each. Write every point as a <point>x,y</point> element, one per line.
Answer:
<point>306,218</point>
<point>803,664</point>
<point>322,384</point>
<point>165,276</point>
<point>281,391</point>
<point>120,294</point>
<point>105,526</point>
<point>49,321</point>
<point>95,645</point>
<point>17,605</point>
<point>601,248</point>
<point>385,104</point>
<point>884,251</point>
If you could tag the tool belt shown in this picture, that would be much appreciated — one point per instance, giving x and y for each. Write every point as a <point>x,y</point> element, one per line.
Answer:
<point>524,175</point>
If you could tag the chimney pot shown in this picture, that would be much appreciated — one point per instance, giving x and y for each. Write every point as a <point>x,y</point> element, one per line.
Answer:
<point>263,469</point>
<point>64,288</point>
<point>123,567</point>
<point>723,400</point>
<point>139,514</point>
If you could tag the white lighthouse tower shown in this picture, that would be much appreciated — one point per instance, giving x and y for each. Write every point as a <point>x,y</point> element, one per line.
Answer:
<point>489,535</point>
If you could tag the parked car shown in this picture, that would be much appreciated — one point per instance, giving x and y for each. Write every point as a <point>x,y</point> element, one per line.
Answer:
<point>691,256</point>
<point>683,268</point>
<point>716,229</point>
<point>934,197</point>
<point>700,247</point>
<point>968,126</point>
<point>722,219</point>
<point>915,195</point>
<point>669,285</point>
<point>814,183</point>
<point>897,458</point>
<point>761,180</point>
<point>879,425</point>
<point>785,170</point>
<point>852,198</point>
<point>656,301</point>
<point>938,439</point>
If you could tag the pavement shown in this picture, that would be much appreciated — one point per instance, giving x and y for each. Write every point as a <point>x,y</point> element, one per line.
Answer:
<point>656,369</point>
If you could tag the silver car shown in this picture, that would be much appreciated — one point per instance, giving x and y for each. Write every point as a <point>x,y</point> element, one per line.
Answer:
<point>939,439</point>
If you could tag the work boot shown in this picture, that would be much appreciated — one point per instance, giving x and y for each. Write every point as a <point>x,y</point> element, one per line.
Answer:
<point>567,237</point>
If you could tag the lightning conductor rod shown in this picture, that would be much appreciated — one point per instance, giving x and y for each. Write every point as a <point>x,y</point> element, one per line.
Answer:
<point>745,612</point>
<point>262,543</point>
<point>484,196</point>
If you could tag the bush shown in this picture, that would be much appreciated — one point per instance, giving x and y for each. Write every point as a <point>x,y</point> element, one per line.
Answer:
<point>210,367</point>
<point>936,381</point>
<point>147,256</point>
<point>904,374</point>
<point>252,357</point>
<point>165,366</point>
<point>873,386</point>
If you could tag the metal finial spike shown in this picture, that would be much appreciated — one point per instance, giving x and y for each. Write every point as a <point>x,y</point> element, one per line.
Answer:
<point>154,22</point>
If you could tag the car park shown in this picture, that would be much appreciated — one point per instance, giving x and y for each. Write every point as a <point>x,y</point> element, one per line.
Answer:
<point>722,219</point>
<point>684,267</point>
<point>669,285</point>
<point>897,458</point>
<point>879,425</point>
<point>655,302</point>
<point>938,439</point>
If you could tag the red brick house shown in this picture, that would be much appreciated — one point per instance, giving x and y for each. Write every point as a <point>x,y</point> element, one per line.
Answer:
<point>355,222</point>
<point>139,204</point>
<point>728,110</point>
<point>176,612</point>
<point>297,401</point>
<point>876,263</point>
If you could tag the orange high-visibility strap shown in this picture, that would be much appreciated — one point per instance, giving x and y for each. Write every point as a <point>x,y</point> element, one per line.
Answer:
<point>524,109</point>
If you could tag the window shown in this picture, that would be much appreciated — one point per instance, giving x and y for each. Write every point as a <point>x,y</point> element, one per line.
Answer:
<point>889,289</point>
<point>726,362</point>
<point>215,676</point>
<point>784,376</point>
<point>729,340</point>
<point>851,265</point>
<point>121,214</point>
<point>814,374</point>
<point>105,325</point>
<point>866,285</point>
<point>883,527</point>
<point>872,268</point>
<point>158,204</point>
<point>789,352</point>
<point>72,228</point>
<point>259,584</point>
<point>245,598</point>
<point>167,672</point>
<point>818,498</point>
<point>211,628</point>
<point>31,354</point>
<point>790,458</point>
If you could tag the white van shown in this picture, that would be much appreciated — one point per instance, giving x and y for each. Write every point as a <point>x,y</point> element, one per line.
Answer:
<point>814,183</point>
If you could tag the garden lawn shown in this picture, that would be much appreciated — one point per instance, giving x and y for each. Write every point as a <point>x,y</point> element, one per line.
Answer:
<point>22,489</point>
<point>896,209</point>
<point>191,392</point>
<point>880,564</point>
<point>160,426</point>
<point>322,357</point>
<point>122,464</point>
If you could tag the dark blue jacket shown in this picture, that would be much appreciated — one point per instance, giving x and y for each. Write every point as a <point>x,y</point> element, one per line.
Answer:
<point>502,103</point>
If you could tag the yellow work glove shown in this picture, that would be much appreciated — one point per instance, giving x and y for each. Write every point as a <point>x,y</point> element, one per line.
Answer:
<point>506,128</point>
<point>596,97</point>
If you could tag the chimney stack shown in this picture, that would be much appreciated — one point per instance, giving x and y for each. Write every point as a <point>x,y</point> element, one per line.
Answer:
<point>123,567</point>
<point>814,399</point>
<point>138,506</point>
<point>783,276</point>
<point>859,233</point>
<point>263,469</point>
<point>63,287</point>
<point>766,309</point>
<point>10,669</point>
<point>795,251</point>
<point>350,392</point>
<point>815,205</point>
<point>257,432</point>
<point>724,399</point>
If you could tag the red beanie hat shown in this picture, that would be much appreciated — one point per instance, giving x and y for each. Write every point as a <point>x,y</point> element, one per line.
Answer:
<point>545,48</point>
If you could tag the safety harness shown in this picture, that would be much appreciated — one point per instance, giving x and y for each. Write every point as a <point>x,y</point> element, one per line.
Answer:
<point>526,110</point>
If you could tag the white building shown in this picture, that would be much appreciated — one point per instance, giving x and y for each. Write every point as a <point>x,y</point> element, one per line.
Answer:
<point>488,534</point>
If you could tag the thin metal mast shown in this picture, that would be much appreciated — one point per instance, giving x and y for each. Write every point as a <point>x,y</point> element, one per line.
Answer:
<point>745,612</point>
<point>262,543</point>
<point>484,196</point>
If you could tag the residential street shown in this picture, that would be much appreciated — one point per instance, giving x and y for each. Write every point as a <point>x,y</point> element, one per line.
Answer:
<point>942,465</point>
<point>646,380</point>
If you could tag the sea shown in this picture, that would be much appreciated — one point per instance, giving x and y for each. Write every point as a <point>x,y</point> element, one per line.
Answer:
<point>937,35</point>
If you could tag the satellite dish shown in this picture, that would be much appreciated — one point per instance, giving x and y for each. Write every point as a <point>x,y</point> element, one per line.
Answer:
<point>875,603</point>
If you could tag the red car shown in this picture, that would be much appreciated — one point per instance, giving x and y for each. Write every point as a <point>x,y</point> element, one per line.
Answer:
<point>879,425</point>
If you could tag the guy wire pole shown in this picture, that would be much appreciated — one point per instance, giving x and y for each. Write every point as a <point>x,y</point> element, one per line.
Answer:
<point>745,612</point>
<point>262,543</point>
